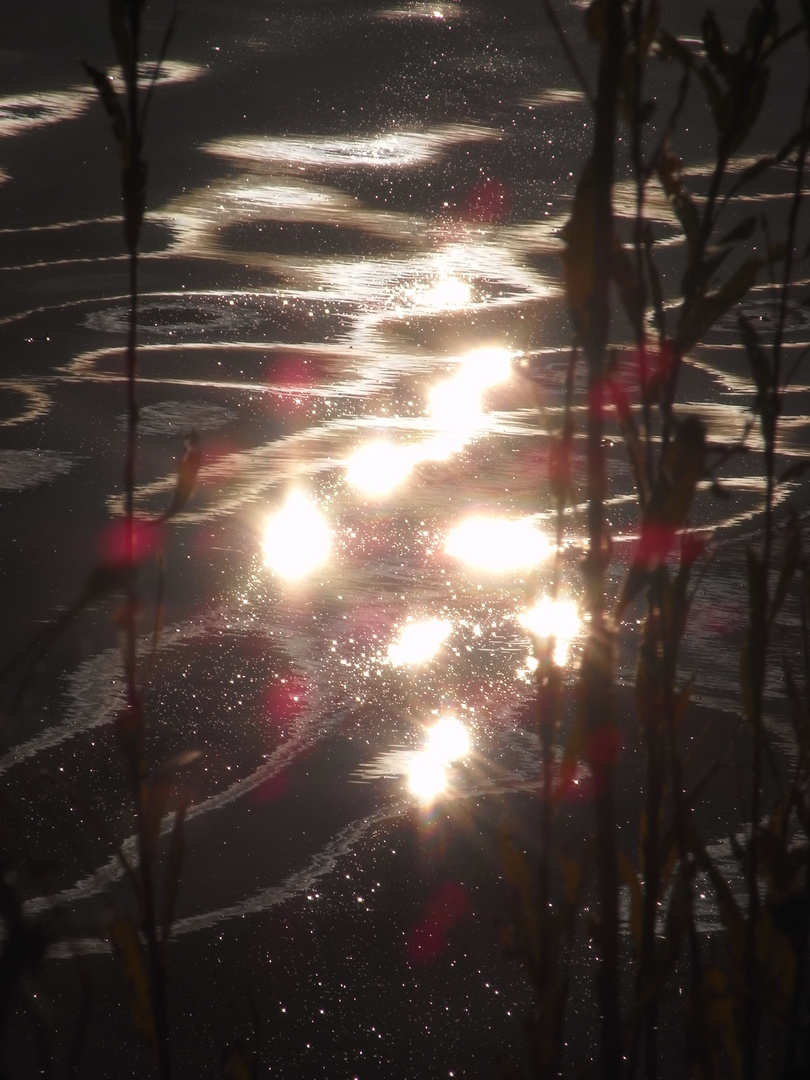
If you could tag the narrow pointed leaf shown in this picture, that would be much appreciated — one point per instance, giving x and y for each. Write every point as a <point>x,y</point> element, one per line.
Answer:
<point>125,939</point>
<point>740,232</point>
<point>164,47</point>
<point>793,472</point>
<point>187,471</point>
<point>630,879</point>
<point>174,867</point>
<point>120,32</point>
<point>109,100</point>
<point>790,564</point>
<point>713,42</point>
<point>670,48</point>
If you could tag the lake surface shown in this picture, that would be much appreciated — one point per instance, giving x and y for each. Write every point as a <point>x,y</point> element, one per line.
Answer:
<point>350,291</point>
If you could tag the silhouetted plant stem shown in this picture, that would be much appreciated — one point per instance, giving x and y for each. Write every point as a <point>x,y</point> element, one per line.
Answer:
<point>597,663</point>
<point>800,981</point>
<point>761,615</point>
<point>128,116</point>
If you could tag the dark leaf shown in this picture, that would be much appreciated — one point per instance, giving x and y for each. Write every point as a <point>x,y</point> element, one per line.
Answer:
<point>124,937</point>
<point>708,309</point>
<point>761,164</point>
<point>174,867</point>
<point>668,168</point>
<point>164,46</point>
<point>756,588</point>
<point>718,1014</point>
<point>655,283</point>
<point>754,102</point>
<point>630,878</point>
<point>693,796</point>
<point>649,29</point>
<point>624,275</point>
<point>805,10</point>
<point>713,42</point>
<point>236,1064</point>
<point>718,101</point>
<point>186,475</point>
<point>729,911</point>
<point>573,875</point>
<point>518,875</point>
<point>578,256</point>
<point>793,472</point>
<point>740,232</point>
<point>120,33</point>
<point>800,716</point>
<point>595,21</point>
<point>109,100</point>
<point>155,796</point>
<point>682,466</point>
<point>765,402</point>
<point>670,48</point>
<point>746,686</point>
<point>790,564</point>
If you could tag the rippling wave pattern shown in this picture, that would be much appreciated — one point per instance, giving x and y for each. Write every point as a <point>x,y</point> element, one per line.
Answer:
<point>366,329</point>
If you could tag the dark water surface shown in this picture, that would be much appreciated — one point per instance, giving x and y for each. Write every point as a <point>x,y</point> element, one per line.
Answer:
<point>350,291</point>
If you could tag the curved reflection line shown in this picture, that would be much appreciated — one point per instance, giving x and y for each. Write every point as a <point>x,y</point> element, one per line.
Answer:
<point>66,305</point>
<point>81,366</point>
<point>79,260</point>
<point>62,225</point>
<point>553,96</point>
<point>319,866</point>
<point>390,150</point>
<point>39,403</point>
<point>47,107</point>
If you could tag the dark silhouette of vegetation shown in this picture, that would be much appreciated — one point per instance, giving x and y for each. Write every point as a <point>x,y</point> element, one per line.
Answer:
<point>142,942</point>
<point>758,979</point>
<point>140,938</point>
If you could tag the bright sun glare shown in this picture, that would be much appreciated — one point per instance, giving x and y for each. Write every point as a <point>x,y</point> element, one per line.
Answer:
<point>419,641</point>
<point>448,741</point>
<point>446,294</point>
<point>455,404</point>
<point>297,539</point>
<point>553,618</point>
<point>379,467</point>
<point>456,407</point>
<point>485,368</point>
<point>498,545</point>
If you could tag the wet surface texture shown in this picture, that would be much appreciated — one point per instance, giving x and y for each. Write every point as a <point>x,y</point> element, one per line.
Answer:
<point>350,290</point>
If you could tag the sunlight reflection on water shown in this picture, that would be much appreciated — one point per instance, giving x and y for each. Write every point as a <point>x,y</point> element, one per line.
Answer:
<point>498,545</point>
<point>394,149</point>
<point>379,467</point>
<point>556,619</point>
<point>297,539</point>
<point>448,741</point>
<point>308,352</point>
<point>419,641</point>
